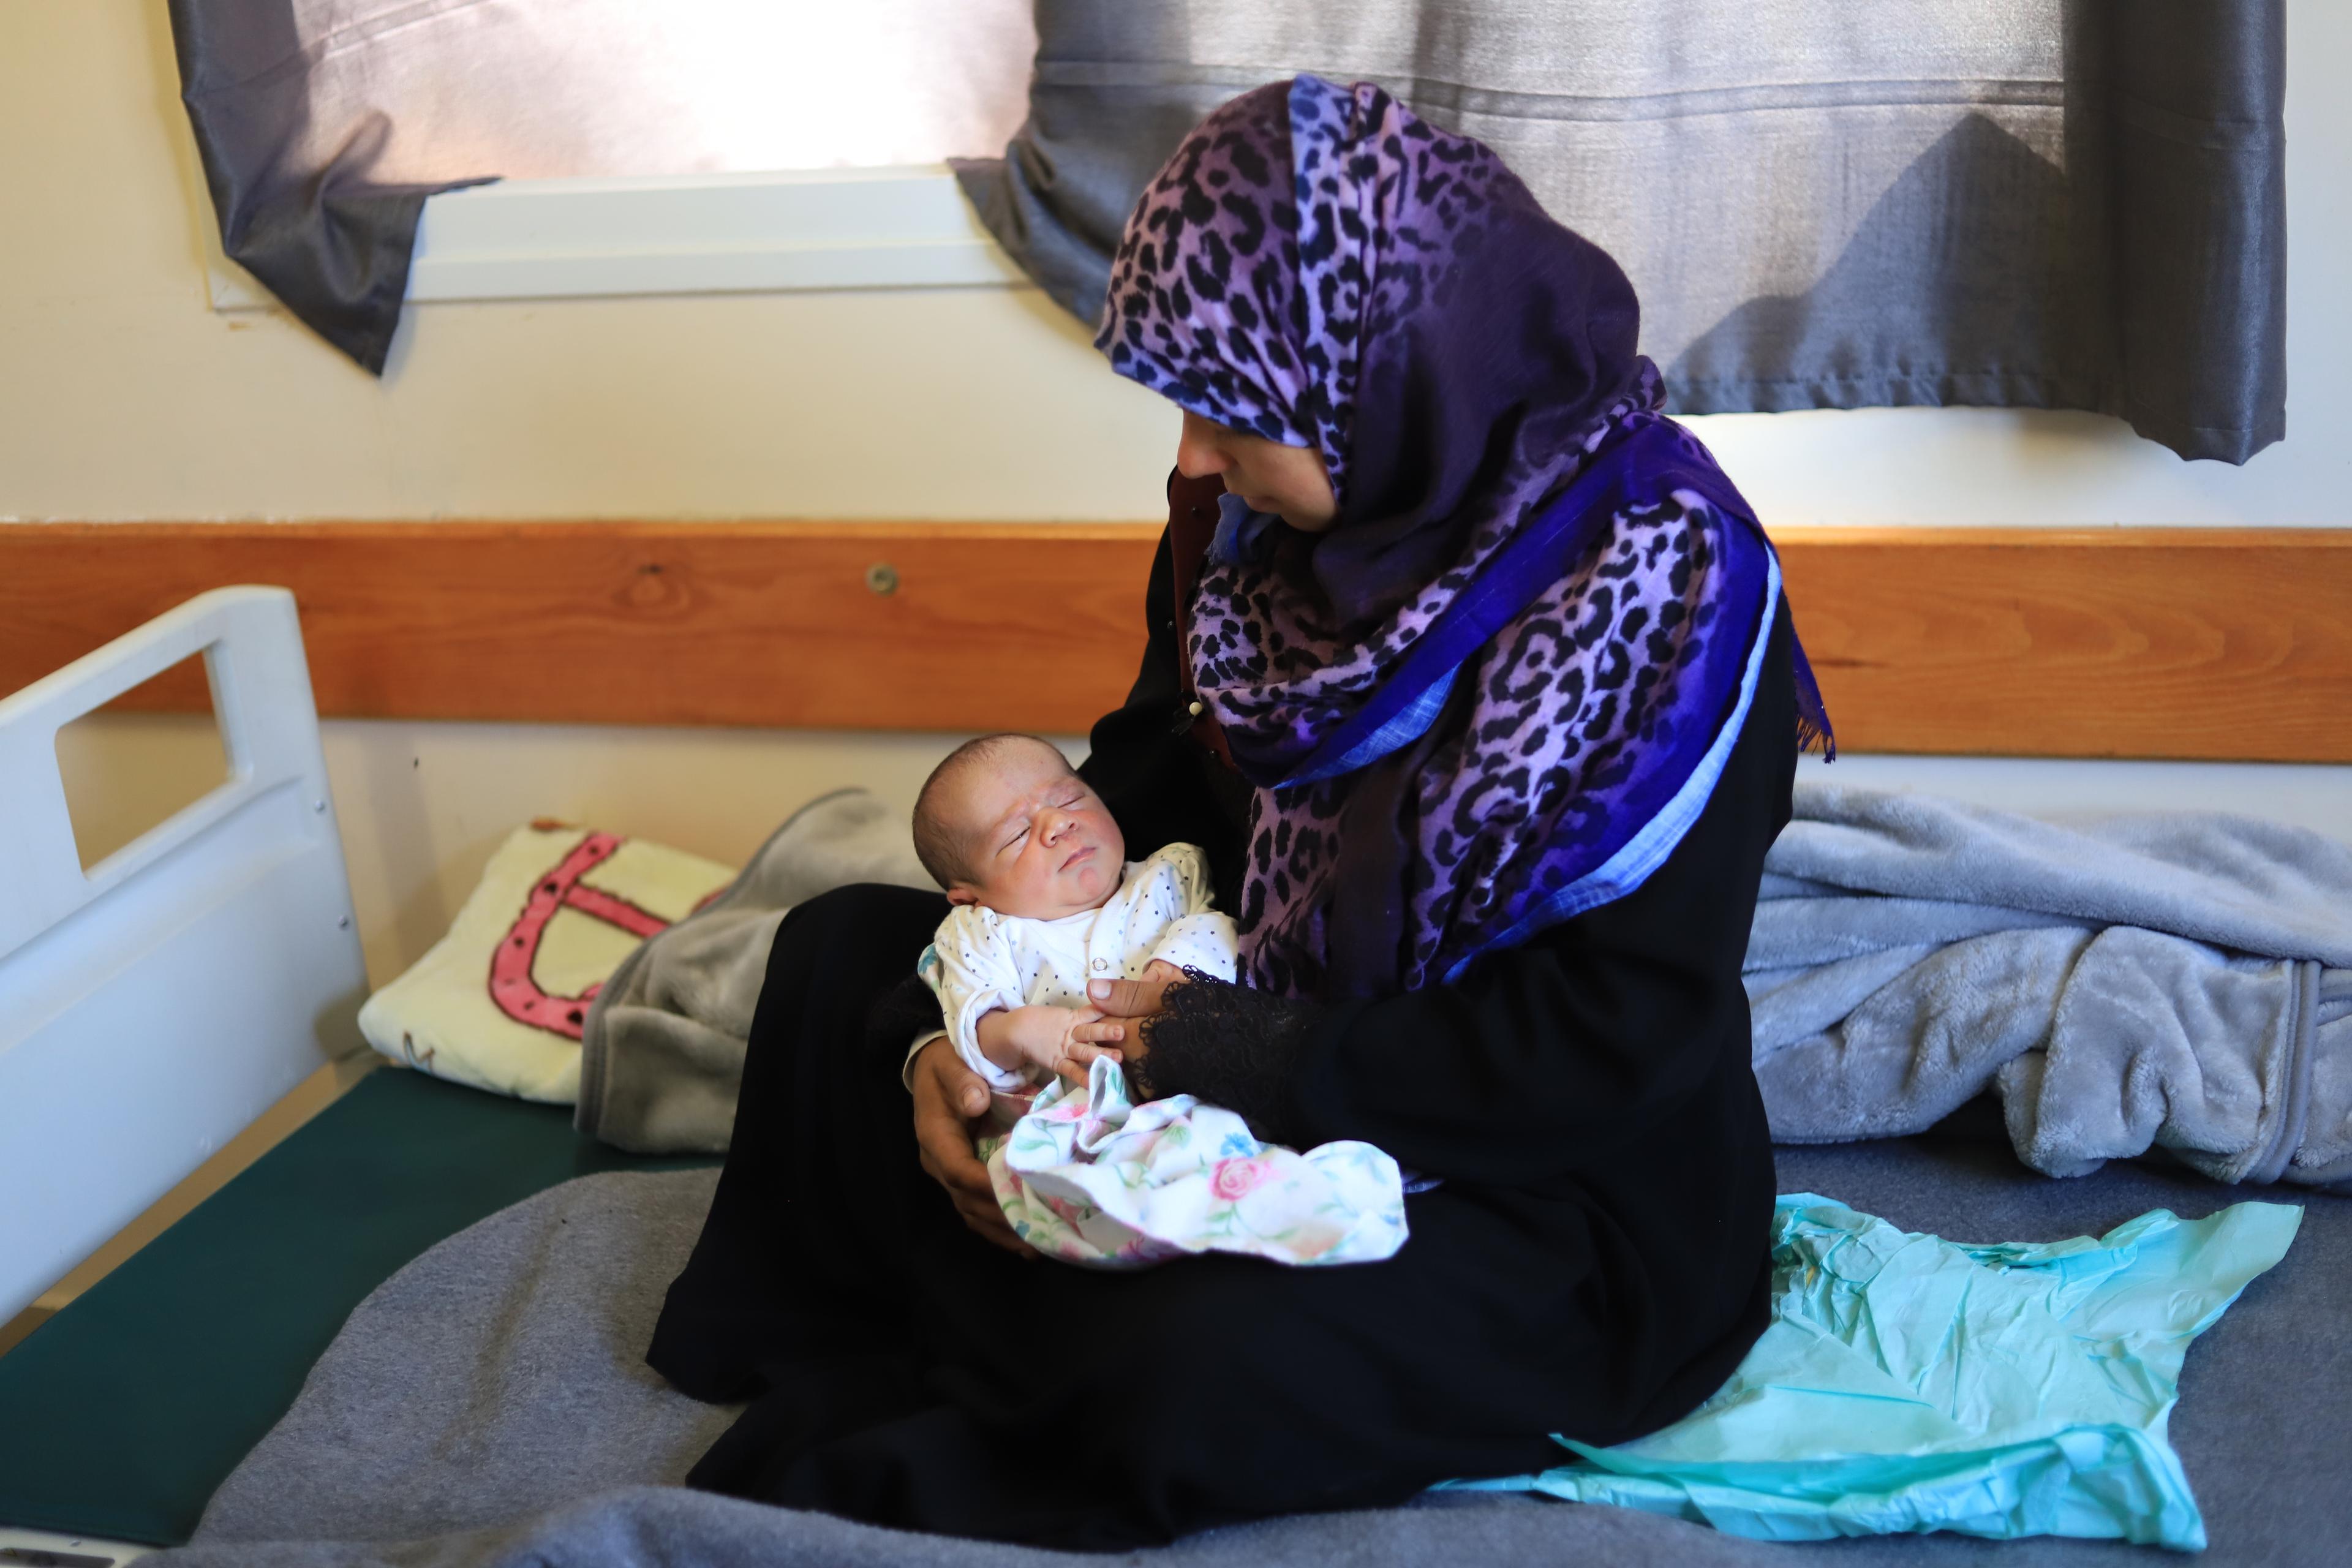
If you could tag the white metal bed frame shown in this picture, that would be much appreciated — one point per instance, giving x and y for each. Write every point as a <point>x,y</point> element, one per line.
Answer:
<point>155,1005</point>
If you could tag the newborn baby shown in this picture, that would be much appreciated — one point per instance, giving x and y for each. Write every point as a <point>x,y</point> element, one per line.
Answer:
<point>1044,902</point>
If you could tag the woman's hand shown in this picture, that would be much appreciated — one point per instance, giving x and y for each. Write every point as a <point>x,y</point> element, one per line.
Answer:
<point>1135,1001</point>
<point>948,1097</point>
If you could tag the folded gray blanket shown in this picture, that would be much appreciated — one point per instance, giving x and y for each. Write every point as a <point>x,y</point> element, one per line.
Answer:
<point>2182,981</point>
<point>662,1049</point>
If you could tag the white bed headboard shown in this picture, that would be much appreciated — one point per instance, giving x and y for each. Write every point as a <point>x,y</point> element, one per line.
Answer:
<point>154,1005</point>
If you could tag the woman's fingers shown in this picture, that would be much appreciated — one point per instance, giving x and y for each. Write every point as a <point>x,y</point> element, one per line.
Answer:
<point>958,1088</point>
<point>948,1095</point>
<point>945,1143</point>
<point>942,1134</point>
<point>948,1160</point>
<point>1126,998</point>
<point>984,1219</point>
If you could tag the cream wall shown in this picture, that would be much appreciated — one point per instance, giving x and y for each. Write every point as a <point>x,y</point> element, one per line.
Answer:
<point>126,396</point>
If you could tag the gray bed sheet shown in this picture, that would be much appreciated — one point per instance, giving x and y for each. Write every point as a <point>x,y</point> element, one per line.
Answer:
<point>486,1408</point>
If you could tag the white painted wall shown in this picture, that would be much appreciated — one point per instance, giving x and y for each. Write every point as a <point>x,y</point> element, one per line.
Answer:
<point>423,805</point>
<point>124,395</point>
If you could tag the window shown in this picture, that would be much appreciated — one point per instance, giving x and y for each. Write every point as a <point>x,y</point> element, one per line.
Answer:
<point>646,147</point>
<point>654,87</point>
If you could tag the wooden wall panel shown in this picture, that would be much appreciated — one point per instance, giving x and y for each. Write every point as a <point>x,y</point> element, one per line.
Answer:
<point>754,624</point>
<point>2121,643</point>
<point>2182,643</point>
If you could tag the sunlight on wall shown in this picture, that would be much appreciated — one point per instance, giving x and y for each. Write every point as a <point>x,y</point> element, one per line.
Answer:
<point>625,86</point>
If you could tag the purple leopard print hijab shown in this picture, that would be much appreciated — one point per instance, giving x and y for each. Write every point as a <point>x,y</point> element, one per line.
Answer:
<point>1501,687</point>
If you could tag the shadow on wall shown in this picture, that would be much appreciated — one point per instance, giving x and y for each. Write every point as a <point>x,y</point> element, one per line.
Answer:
<point>1977,253</point>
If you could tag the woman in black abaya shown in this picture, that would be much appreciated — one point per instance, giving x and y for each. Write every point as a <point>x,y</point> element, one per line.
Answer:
<point>1471,673</point>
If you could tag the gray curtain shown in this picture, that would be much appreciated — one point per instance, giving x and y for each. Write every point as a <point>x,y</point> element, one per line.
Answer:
<point>1824,204</point>
<point>298,205</point>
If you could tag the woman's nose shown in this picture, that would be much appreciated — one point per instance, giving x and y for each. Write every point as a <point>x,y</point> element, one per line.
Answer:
<point>1197,454</point>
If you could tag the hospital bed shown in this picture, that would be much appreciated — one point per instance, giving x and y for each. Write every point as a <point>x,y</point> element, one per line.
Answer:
<point>150,1008</point>
<point>153,1004</point>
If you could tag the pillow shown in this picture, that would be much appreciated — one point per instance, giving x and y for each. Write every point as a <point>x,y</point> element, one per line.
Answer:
<point>498,1002</point>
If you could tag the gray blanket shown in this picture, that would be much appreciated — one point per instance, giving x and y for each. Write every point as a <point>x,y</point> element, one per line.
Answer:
<point>662,1048</point>
<point>487,1407</point>
<point>2181,981</point>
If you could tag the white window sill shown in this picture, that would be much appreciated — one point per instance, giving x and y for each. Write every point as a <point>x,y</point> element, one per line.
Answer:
<point>902,227</point>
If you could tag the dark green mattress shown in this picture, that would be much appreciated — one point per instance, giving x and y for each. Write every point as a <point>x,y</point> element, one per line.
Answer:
<point>119,1416</point>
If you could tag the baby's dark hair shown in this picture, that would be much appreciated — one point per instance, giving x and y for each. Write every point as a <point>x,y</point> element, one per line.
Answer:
<point>937,844</point>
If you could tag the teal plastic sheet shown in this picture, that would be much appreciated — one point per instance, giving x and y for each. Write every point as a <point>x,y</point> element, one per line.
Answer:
<point>119,1416</point>
<point>1908,1383</point>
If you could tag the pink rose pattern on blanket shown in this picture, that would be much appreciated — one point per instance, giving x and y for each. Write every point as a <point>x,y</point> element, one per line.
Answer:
<point>1090,1178</point>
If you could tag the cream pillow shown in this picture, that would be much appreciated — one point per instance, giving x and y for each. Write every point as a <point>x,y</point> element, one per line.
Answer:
<point>498,1002</point>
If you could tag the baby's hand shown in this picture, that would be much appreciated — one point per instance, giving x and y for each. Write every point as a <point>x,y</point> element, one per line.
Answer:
<point>1063,1040</point>
<point>1089,1034</point>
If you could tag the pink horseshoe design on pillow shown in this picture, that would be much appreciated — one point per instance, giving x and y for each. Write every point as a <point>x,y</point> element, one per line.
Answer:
<point>513,988</point>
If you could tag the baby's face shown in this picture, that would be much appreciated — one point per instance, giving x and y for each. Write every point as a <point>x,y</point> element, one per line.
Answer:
<point>1041,844</point>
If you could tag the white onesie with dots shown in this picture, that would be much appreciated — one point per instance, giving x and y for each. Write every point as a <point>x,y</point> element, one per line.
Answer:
<point>980,960</point>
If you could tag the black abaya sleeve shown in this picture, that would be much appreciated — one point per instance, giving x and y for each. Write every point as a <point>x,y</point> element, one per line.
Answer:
<point>1548,1057</point>
<point>1163,787</point>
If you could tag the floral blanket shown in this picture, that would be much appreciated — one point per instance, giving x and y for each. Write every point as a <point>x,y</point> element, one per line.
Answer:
<point>1094,1179</point>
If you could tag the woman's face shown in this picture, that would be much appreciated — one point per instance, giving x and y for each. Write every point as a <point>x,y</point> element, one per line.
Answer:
<point>1287,481</point>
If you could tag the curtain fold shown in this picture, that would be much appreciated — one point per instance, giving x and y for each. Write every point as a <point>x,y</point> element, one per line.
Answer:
<point>302,212</point>
<point>2055,204</point>
<point>2197,161</point>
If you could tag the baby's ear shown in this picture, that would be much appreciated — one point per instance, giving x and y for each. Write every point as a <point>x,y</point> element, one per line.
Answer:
<point>962,894</point>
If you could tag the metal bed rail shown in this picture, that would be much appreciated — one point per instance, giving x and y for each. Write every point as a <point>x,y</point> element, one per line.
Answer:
<point>153,1004</point>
